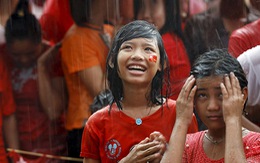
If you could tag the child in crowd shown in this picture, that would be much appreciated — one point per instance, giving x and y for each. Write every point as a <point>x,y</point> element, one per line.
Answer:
<point>38,91</point>
<point>217,89</point>
<point>137,70</point>
<point>165,15</point>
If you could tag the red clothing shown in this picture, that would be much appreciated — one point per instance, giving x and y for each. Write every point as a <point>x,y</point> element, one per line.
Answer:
<point>179,62</point>
<point>7,105</point>
<point>36,131</point>
<point>194,151</point>
<point>109,135</point>
<point>244,38</point>
<point>55,20</point>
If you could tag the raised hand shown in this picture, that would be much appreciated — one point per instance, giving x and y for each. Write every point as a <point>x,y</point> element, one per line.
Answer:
<point>185,101</point>
<point>233,98</point>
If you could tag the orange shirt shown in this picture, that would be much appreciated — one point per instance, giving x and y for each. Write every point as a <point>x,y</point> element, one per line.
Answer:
<point>82,48</point>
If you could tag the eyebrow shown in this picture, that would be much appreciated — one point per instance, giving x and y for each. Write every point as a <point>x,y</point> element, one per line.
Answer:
<point>203,89</point>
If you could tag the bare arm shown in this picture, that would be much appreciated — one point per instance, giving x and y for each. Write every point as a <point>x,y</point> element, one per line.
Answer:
<point>52,91</point>
<point>184,109</point>
<point>250,125</point>
<point>233,102</point>
<point>10,131</point>
<point>87,160</point>
<point>93,79</point>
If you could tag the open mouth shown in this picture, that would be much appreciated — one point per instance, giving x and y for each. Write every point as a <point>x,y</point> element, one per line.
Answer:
<point>136,68</point>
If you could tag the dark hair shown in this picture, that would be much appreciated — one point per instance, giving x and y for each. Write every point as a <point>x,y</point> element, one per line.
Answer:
<point>173,18</point>
<point>22,25</point>
<point>80,11</point>
<point>218,62</point>
<point>232,9</point>
<point>137,29</point>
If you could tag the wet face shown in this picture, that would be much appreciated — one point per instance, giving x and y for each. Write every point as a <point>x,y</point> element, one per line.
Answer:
<point>24,52</point>
<point>152,11</point>
<point>138,61</point>
<point>208,101</point>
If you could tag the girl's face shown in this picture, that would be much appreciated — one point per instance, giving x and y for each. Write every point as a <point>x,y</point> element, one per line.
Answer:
<point>208,101</point>
<point>138,61</point>
<point>24,52</point>
<point>152,11</point>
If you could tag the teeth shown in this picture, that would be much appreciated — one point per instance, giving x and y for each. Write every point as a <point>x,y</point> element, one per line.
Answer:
<point>136,67</point>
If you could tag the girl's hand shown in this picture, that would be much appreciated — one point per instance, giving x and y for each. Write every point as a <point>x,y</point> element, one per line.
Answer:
<point>185,101</point>
<point>157,136</point>
<point>145,151</point>
<point>233,101</point>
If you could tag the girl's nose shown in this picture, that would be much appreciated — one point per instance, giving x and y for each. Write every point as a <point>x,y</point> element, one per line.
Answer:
<point>213,104</point>
<point>137,55</point>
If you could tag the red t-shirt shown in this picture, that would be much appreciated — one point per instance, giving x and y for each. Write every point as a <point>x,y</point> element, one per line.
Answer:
<point>179,62</point>
<point>109,135</point>
<point>244,38</point>
<point>7,105</point>
<point>194,151</point>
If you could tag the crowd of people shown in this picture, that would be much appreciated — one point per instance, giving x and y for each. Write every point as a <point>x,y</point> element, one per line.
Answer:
<point>129,81</point>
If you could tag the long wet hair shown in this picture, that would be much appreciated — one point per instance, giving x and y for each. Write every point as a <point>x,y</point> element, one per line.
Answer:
<point>132,30</point>
<point>23,25</point>
<point>218,62</point>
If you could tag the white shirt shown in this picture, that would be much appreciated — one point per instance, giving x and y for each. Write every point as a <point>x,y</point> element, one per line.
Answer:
<point>250,62</point>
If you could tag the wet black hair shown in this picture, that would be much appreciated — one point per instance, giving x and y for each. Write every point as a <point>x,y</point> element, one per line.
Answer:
<point>23,25</point>
<point>137,29</point>
<point>218,62</point>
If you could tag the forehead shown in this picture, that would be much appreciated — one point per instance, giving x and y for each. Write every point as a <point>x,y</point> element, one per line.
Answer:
<point>209,82</point>
<point>145,41</point>
<point>22,46</point>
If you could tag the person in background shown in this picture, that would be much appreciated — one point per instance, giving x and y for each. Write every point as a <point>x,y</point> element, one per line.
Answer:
<point>165,14</point>
<point>247,36</point>
<point>130,128</point>
<point>84,51</point>
<point>250,62</point>
<point>6,9</point>
<point>39,92</point>
<point>217,89</point>
<point>55,20</point>
<point>8,123</point>
<point>211,29</point>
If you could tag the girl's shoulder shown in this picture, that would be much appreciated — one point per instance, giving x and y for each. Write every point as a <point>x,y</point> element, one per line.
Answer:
<point>252,146</point>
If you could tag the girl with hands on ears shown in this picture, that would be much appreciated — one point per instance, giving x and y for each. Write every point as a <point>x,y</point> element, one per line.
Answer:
<point>136,126</point>
<point>217,90</point>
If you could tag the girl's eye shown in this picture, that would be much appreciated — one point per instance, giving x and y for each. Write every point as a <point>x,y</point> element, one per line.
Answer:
<point>149,49</point>
<point>220,95</point>
<point>201,95</point>
<point>126,47</point>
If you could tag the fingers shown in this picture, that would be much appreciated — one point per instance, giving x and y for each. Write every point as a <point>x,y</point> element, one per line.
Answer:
<point>157,136</point>
<point>189,83</point>
<point>232,86</point>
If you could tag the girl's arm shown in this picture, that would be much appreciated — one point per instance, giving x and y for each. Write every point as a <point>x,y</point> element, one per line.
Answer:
<point>10,131</point>
<point>184,109</point>
<point>52,91</point>
<point>232,105</point>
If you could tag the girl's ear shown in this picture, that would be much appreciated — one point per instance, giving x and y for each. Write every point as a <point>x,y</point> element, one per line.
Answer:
<point>111,65</point>
<point>245,93</point>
